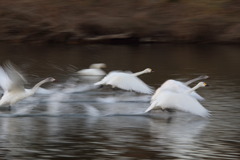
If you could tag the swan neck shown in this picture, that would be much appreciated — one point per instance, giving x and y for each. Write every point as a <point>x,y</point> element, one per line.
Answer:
<point>34,89</point>
<point>192,80</point>
<point>195,79</point>
<point>139,73</point>
<point>194,88</point>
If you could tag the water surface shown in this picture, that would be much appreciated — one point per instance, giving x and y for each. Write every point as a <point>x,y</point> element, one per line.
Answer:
<point>79,121</point>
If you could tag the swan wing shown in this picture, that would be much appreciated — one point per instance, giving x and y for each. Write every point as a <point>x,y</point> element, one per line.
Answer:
<point>180,101</point>
<point>130,82</point>
<point>156,93</point>
<point>178,87</point>
<point>5,81</point>
<point>107,78</point>
<point>197,96</point>
<point>15,79</point>
<point>174,86</point>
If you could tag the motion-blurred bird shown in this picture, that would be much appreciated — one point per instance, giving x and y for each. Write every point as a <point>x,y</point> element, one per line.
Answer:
<point>180,87</point>
<point>93,70</point>
<point>183,101</point>
<point>12,82</point>
<point>127,81</point>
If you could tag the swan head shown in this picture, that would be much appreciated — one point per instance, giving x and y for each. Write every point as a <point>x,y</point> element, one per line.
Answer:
<point>98,65</point>
<point>148,70</point>
<point>202,84</point>
<point>50,79</point>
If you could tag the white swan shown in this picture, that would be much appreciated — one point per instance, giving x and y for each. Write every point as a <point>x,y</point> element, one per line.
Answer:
<point>127,81</point>
<point>93,70</point>
<point>180,87</point>
<point>168,99</point>
<point>12,82</point>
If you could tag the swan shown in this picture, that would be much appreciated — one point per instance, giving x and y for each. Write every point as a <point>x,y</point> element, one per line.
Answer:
<point>177,86</point>
<point>127,81</point>
<point>12,82</point>
<point>168,99</point>
<point>93,70</point>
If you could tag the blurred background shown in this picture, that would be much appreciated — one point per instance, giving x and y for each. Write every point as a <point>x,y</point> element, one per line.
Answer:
<point>85,21</point>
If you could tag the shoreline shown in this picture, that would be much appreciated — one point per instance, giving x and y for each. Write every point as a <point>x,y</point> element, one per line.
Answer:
<point>115,22</point>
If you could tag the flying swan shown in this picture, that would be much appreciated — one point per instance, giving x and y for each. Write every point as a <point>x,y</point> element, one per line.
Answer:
<point>127,81</point>
<point>168,99</point>
<point>180,87</point>
<point>12,82</point>
<point>93,70</point>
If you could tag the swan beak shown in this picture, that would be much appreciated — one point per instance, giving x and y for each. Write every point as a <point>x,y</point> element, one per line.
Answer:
<point>206,85</point>
<point>52,79</point>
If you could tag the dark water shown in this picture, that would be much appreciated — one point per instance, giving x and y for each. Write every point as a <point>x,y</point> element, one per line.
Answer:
<point>79,121</point>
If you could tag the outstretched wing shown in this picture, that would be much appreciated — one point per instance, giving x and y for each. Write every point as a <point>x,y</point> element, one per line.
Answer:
<point>5,81</point>
<point>130,82</point>
<point>107,78</point>
<point>12,78</point>
<point>178,87</point>
<point>179,101</point>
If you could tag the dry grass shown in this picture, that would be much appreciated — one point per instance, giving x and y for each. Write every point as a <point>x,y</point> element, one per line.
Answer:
<point>75,21</point>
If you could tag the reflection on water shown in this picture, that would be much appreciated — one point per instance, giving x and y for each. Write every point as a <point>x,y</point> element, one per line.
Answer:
<point>77,120</point>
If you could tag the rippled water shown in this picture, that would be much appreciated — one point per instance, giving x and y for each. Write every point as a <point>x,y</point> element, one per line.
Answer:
<point>79,121</point>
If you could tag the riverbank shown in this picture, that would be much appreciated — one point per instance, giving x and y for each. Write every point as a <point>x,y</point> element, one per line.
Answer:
<point>106,21</point>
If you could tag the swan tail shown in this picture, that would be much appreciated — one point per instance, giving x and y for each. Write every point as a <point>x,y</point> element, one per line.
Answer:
<point>150,90</point>
<point>197,96</point>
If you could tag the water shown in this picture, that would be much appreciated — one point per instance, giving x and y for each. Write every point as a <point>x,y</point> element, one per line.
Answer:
<point>79,121</point>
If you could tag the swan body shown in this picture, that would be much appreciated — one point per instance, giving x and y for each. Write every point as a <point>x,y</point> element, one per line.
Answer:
<point>168,99</point>
<point>12,83</point>
<point>179,87</point>
<point>93,70</point>
<point>127,81</point>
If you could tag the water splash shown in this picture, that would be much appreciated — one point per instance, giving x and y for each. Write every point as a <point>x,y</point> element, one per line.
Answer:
<point>91,110</point>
